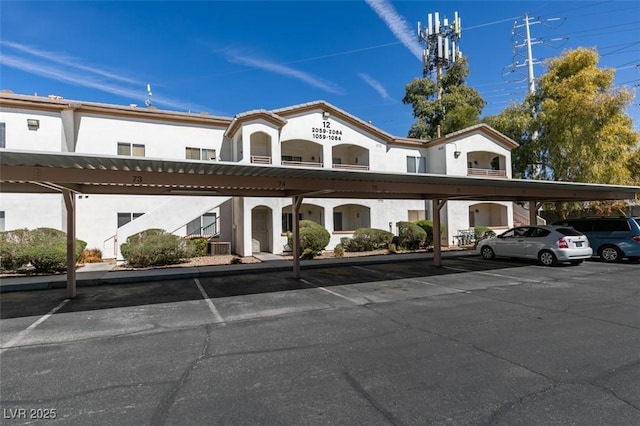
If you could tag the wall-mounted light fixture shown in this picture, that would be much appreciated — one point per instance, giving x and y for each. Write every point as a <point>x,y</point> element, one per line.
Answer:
<point>456,153</point>
<point>33,124</point>
<point>326,115</point>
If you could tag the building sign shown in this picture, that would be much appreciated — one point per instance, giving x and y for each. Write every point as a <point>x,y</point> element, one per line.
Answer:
<point>326,132</point>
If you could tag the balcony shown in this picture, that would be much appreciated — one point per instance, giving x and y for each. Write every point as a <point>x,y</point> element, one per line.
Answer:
<point>487,173</point>
<point>301,163</point>
<point>260,159</point>
<point>350,166</point>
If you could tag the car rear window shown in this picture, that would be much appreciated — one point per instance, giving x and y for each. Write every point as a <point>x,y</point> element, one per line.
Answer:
<point>637,219</point>
<point>569,232</point>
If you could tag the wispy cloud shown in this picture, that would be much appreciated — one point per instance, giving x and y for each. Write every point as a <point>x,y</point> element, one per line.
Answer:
<point>281,69</point>
<point>64,68</point>
<point>377,86</point>
<point>68,61</point>
<point>398,26</point>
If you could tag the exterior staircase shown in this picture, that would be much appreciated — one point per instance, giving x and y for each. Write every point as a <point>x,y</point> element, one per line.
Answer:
<point>521,216</point>
<point>170,216</point>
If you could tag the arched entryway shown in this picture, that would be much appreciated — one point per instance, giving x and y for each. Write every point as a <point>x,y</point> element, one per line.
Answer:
<point>488,214</point>
<point>349,217</point>
<point>261,235</point>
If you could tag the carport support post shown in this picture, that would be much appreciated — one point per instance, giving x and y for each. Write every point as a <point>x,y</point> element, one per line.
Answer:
<point>70,204</point>
<point>533,212</point>
<point>437,204</point>
<point>296,203</point>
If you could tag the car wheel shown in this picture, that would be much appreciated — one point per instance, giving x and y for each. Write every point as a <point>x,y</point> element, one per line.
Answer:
<point>610,254</point>
<point>547,258</point>
<point>576,262</point>
<point>487,253</point>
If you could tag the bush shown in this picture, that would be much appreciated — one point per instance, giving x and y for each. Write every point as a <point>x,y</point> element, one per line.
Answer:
<point>12,246</point>
<point>44,248</point>
<point>313,239</point>
<point>410,235</point>
<point>427,225</point>
<point>367,239</point>
<point>47,250</point>
<point>155,247</point>
<point>338,251</point>
<point>91,256</point>
<point>199,246</point>
<point>482,232</point>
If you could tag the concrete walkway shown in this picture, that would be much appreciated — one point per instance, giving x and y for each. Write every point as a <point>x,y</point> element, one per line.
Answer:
<point>103,273</point>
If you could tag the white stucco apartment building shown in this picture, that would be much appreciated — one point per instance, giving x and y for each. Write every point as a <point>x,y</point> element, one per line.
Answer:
<point>316,135</point>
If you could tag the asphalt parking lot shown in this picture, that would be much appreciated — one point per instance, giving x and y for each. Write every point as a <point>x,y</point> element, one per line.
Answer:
<point>471,342</point>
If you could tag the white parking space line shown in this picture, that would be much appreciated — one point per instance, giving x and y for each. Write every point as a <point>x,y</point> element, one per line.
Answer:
<point>355,302</point>
<point>13,342</point>
<point>457,269</point>
<point>378,272</point>
<point>212,307</point>
<point>492,274</point>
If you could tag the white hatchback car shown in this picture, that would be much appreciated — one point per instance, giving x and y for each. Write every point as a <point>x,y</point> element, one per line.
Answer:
<point>547,243</point>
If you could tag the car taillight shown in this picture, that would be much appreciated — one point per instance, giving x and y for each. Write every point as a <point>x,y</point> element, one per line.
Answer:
<point>636,238</point>
<point>562,243</point>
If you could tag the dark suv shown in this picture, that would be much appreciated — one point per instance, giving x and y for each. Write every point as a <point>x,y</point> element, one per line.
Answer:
<point>611,238</point>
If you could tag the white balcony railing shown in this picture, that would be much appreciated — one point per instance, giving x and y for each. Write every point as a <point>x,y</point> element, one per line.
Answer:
<point>301,163</point>
<point>486,172</point>
<point>351,166</point>
<point>260,159</point>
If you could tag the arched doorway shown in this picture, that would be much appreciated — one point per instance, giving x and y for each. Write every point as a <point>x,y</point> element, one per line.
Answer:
<point>488,214</point>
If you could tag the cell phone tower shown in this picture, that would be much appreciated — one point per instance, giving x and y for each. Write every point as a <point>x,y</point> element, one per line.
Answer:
<point>441,45</point>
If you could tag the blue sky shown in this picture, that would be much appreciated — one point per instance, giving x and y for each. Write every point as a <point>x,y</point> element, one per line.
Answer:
<point>227,57</point>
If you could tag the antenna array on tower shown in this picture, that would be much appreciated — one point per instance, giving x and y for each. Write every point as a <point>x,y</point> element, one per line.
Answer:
<point>441,43</point>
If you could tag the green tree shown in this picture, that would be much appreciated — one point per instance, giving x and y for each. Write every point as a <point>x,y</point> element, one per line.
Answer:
<point>574,127</point>
<point>457,107</point>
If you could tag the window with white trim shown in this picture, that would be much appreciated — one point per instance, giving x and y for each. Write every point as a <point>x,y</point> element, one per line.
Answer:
<point>192,153</point>
<point>131,149</point>
<point>2,135</point>
<point>124,218</point>
<point>416,164</point>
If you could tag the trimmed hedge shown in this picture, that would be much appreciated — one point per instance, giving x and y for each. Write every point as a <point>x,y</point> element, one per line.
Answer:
<point>45,249</point>
<point>427,225</point>
<point>313,239</point>
<point>155,247</point>
<point>410,236</point>
<point>367,239</point>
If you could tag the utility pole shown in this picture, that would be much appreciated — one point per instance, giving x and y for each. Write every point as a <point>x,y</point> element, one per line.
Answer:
<point>525,41</point>
<point>441,45</point>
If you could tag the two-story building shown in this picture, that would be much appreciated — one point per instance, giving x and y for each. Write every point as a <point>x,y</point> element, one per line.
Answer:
<point>312,135</point>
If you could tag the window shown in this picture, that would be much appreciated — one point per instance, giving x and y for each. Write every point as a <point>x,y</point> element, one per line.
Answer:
<point>541,232</point>
<point>416,164</point>
<point>203,225</point>
<point>2,221</point>
<point>337,221</point>
<point>2,135</point>
<point>200,154</point>
<point>291,158</point>
<point>287,221</point>
<point>131,149</point>
<point>124,218</point>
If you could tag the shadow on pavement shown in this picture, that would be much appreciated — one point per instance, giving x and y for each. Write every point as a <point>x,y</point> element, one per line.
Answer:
<point>40,302</point>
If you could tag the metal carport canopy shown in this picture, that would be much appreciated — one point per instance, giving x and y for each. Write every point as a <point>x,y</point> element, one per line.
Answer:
<point>73,173</point>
